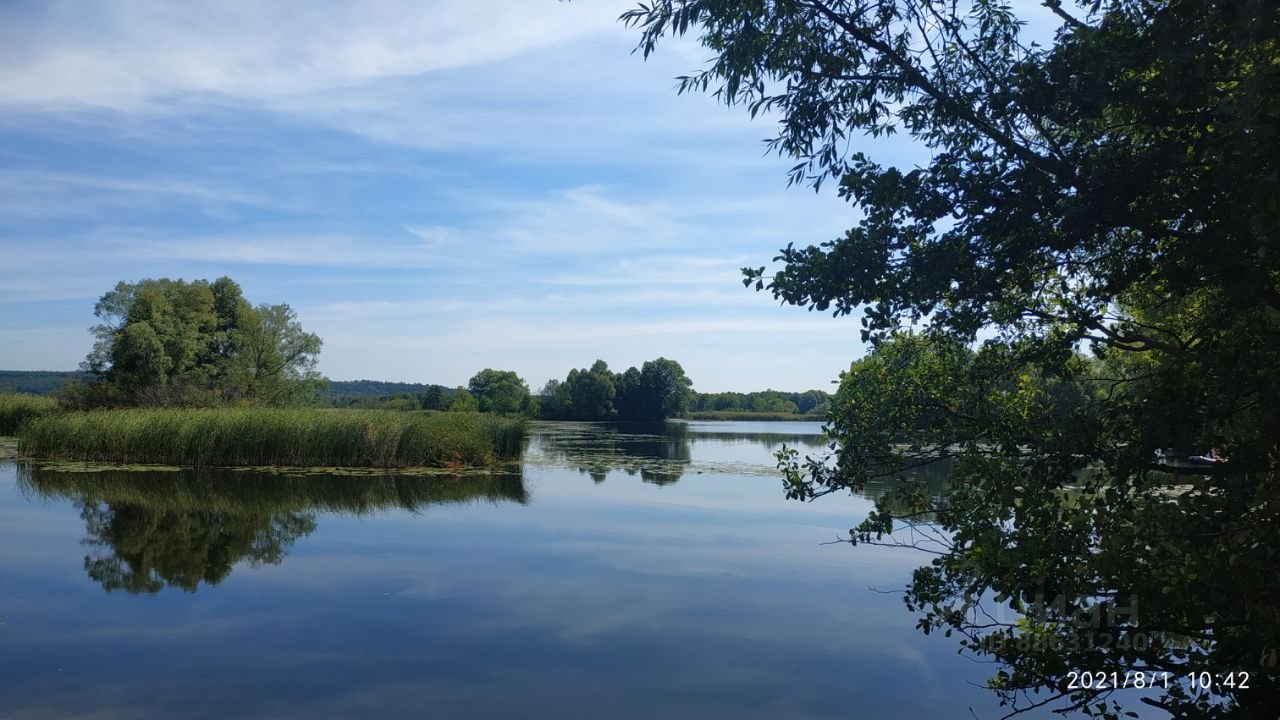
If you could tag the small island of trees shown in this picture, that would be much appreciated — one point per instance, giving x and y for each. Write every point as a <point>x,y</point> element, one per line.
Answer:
<point>175,343</point>
<point>191,373</point>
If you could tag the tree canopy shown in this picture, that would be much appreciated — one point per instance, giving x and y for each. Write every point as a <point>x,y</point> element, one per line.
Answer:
<point>811,402</point>
<point>657,390</point>
<point>501,391</point>
<point>1088,257</point>
<point>172,342</point>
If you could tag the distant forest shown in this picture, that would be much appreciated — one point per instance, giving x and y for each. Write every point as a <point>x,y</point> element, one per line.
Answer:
<point>401,395</point>
<point>351,392</point>
<point>809,402</point>
<point>36,382</point>
<point>348,392</point>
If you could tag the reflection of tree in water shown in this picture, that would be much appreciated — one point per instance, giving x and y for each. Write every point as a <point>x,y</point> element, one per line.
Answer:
<point>654,451</point>
<point>767,439</point>
<point>158,529</point>
<point>660,453</point>
<point>141,549</point>
<point>903,490</point>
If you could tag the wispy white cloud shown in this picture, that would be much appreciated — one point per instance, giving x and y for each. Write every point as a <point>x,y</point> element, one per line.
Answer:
<point>657,270</point>
<point>436,236</point>
<point>291,250</point>
<point>85,266</point>
<point>44,193</point>
<point>584,220</point>
<point>654,301</point>
<point>549,106</point>
<point>129,56</point>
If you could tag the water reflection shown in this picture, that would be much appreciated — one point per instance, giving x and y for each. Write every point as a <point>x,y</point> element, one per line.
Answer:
<point>143,550</point>
<point>657,452</point>
<point>662,453</point>
<point>897,491</point>
<point>178,529</point>
<point>768,434</point>
<point>714,597</point>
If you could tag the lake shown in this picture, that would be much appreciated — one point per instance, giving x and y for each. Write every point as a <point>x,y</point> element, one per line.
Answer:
<point>622,572</point>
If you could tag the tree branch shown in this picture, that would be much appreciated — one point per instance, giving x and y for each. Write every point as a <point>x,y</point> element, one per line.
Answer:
<point>920,81</point>
<point>1055,6</point>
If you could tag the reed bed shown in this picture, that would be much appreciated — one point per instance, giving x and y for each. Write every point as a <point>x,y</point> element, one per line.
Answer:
<point>252,437</point>
<point>16,409</point>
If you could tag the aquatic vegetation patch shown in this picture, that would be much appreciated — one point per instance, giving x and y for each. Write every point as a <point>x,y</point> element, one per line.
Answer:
<point>16,409</point>
<point>256,437</point>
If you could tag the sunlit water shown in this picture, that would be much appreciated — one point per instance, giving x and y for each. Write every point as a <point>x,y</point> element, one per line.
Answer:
<point>624,573</point>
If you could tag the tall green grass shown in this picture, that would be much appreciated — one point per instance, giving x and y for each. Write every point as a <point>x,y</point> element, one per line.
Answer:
<point>234,437</point>
<point>16,409</point>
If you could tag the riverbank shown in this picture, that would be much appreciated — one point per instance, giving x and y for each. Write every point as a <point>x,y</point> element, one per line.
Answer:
<point>253,437</point>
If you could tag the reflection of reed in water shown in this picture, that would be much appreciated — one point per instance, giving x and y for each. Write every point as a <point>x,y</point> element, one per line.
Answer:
<point>180,528</point>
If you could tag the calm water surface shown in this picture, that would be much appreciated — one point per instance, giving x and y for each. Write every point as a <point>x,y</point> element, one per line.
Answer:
<point>622,573</point>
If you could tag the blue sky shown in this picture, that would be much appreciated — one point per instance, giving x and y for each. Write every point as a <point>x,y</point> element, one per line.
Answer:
<point>435,188</point>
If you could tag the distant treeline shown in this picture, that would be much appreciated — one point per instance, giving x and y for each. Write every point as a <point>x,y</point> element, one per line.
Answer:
<point>36,382</point>
<point>592,393</point>
<point>339,393</point>
<point>751,415</point>
<point>657,390</point>
<point>809,402</point>
<point>344,393</point>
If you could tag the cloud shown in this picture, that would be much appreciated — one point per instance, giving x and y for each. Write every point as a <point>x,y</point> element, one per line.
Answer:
<point>129,56</point>
<point>436,188</point>
<point>659,269</point>
<point>649,302</point>
<point>552,104</point>
<point>517,79</point>
<point>42,193</point>
<point>436,236</point>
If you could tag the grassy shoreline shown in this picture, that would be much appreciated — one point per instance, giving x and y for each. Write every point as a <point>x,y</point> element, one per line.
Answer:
<point>303,437</point>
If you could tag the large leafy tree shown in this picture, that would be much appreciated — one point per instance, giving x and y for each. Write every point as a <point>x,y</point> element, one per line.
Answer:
<point>657,391</point>
<point>500,391</point>
<point>1111,192</point>
<point>591,392</point>
<point>166,341</point>
<point>554,401</point>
